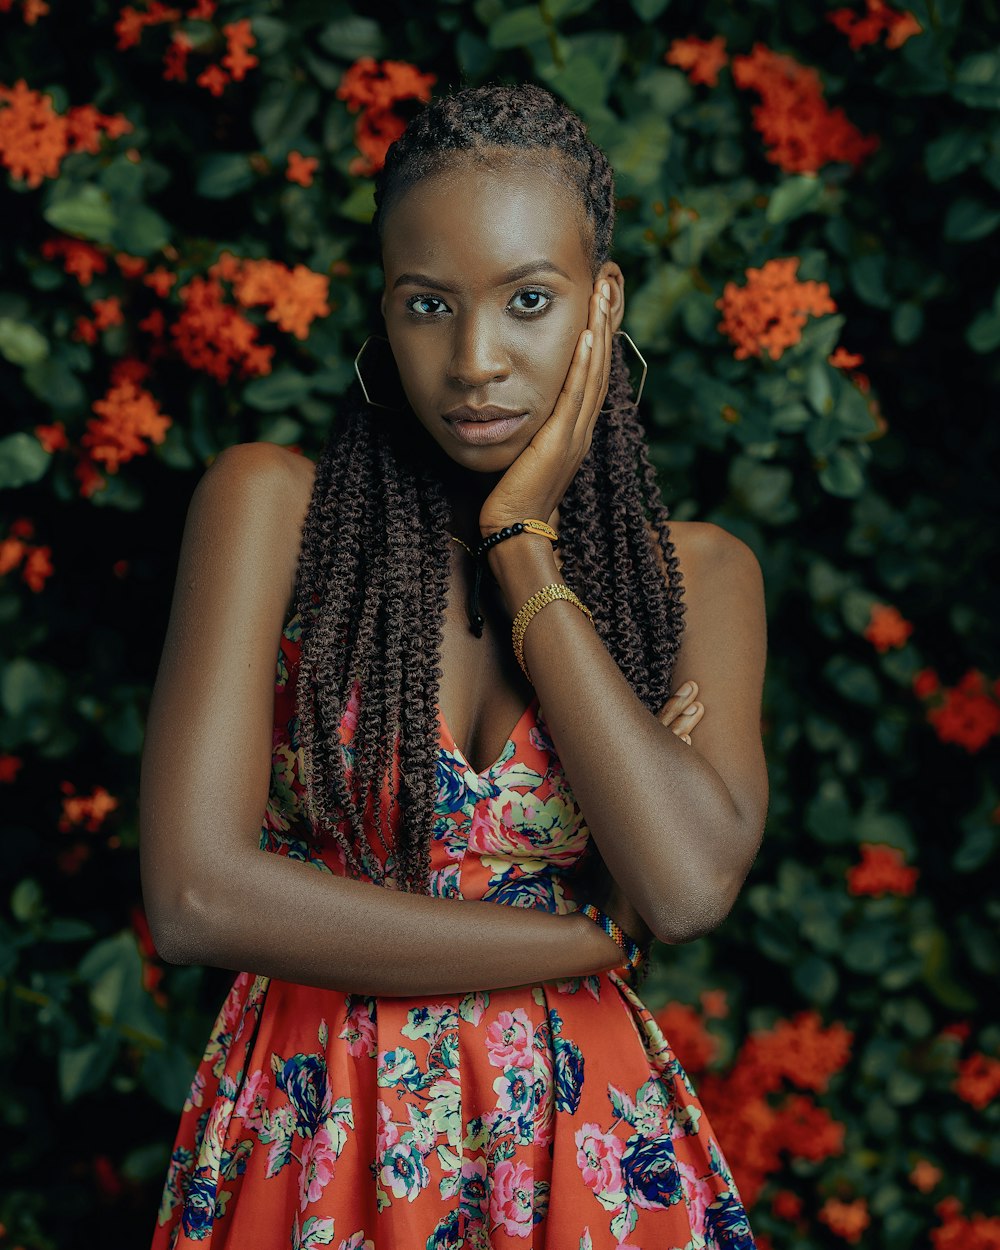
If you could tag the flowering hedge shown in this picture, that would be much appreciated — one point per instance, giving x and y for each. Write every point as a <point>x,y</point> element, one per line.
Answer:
<point>808,225</point>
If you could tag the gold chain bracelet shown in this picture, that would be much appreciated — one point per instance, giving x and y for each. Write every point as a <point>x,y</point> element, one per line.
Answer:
<point>555,590</point>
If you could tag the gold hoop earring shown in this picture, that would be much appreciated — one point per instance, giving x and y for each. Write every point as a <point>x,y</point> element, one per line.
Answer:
<point>642,361</point>
<point>374,403</point>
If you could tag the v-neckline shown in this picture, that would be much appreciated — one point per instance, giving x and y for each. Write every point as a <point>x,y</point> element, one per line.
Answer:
<point>511,737</point>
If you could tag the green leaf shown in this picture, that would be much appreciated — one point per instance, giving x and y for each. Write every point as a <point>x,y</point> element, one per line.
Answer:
<point>85,211</point>
<point>280,389</point>
<point>953,152</point>
<point>868,274</point>
<point>21,343</point>
<point>977,80</point>
<point>852,680</point>
<point>968,219</point>
<point>167,1075</point>
<point>282,115</point>
<point>793,198</point>
<point>224,174</point>
<point>649,10</point>
<point>983,333</point>
<point>360,204</point>
<point>567,8</point>
<point>907,322</point>
<point>639,153</point>
<point>652,306</point>
<point>26,902</point>
<point>842,474</point>
<point>84,1068</point>
<point>349,38</point>
<point>141,231</point>
<point>816,979</point>
<point>518,27</point>
<point>22,460</point>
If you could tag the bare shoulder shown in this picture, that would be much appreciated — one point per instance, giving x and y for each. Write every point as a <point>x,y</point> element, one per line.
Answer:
<point>703,548</point>
<point>253,498</point>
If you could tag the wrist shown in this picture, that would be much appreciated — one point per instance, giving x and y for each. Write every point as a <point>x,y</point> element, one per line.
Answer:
<point>521,566</point>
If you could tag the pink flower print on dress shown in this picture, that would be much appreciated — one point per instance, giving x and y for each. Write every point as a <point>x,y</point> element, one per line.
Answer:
<point>253,1096</point>
<point>508,1040</point>
<point>319,1162</point>
<point>599,1157</point>
<point>512,1197</point>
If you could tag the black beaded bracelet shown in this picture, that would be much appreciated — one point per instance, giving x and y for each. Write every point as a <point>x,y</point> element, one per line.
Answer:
<point>528,526</point>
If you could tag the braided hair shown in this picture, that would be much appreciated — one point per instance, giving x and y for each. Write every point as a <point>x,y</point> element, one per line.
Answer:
<point>374,567</point>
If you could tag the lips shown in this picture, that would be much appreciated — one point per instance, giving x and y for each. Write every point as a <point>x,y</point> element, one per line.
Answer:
<point>488,413</point>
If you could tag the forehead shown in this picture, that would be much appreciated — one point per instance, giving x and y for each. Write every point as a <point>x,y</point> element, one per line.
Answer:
<point>477,218</point>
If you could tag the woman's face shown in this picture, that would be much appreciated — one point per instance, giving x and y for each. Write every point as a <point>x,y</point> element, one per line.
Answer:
<point>487,287</point>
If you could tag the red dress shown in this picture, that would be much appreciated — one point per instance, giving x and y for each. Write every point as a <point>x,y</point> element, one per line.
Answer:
<point>553,1115</point>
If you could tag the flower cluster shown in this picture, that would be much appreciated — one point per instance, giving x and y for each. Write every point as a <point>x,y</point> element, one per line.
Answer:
<point>755,1131</point>
<point>35,139</point>
<point>883,870</point>
<point>887,627</point>
<point>967,714</point>
<point>768,313</point>
<point>978,1079</point>
<point>16,550</point>
<point>128,420</point>
<point>373,89</point>
<point>216,76</point>
<point>86,811</point>
<point>878,19</point>
<point>701,59</point>
<point>31,10</point>
<point>803,132</point>
<point>958,1232</point>
<point>847,1219</point>
<point>294,298</point>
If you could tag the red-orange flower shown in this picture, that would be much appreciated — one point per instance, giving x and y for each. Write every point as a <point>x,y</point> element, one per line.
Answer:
<point>925,1176</point>
<point>887,627</point>
<point>978,1080</point>
<point>211,335</point>
<point>956,1232</point>
<point>701,58</point>
<point>714,1003</point>
<point>786,1205</point>
<point>374,88</point>
<point>803,132</point>
<point>847,1219</point>
<point>35,561</point>
<point>126,418</point>
<point>878,18</point>
<point>294,298</point>
<point>37,568</point>
<point>301,168</point>
<point>882,870</point>
<point>768,313</point>
<point>841,358</point>
<point>79,258</point>
<point>925,683</point>
<point>34,138</point>
<point>239,37</point>
<point>967,715</point>
<point>132,22</point>
<point>10,766</point>
<point>175,58</point>
<point>52,437</point>
<point>88,810</point>
<point>31,10</point>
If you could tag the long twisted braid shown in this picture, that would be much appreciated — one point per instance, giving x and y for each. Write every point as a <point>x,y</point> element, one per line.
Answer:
<point>376,550</point>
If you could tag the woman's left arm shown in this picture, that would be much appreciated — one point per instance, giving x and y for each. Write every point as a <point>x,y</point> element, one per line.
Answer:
<point>678,825</point>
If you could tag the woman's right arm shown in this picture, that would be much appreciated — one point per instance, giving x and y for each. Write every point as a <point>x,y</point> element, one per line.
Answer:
<point>212,895</point>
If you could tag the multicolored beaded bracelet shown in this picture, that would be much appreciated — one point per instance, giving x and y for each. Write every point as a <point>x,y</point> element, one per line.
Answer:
<point>636,956</point>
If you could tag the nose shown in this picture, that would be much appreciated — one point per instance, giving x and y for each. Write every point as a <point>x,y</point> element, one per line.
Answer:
<point>477,352</point>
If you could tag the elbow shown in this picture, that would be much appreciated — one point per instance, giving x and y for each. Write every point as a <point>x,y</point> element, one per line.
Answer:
<point>179,927</point>
<point>700,914</point>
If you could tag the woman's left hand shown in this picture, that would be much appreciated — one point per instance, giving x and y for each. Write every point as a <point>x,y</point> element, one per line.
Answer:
<point>536,482</point>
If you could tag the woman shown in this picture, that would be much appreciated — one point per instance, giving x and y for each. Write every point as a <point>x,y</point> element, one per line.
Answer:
<point>437,1045</point>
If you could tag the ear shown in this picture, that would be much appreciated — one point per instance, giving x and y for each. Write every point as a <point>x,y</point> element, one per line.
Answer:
<point>612,274</point>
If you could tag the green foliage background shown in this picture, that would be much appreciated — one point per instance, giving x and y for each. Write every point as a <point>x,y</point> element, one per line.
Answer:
<point>785,453</point>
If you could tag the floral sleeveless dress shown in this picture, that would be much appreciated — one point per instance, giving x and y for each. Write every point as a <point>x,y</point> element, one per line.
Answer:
<point>553,1115</point>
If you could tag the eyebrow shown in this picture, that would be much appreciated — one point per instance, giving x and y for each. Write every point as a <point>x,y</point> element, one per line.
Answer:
<point>513,275</point>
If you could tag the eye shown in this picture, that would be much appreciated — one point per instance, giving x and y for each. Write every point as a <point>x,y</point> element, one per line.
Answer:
<point>539,300</point>
<point>417,304</point>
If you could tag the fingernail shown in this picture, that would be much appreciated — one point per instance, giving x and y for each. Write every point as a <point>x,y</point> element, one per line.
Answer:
<point>685,690</point>
<point>588,339</point>
<point>606,290</point>
<point>690,711</point>
<point>604,304</point>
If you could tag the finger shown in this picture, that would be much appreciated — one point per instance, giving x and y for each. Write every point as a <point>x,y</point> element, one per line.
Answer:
<point>574,387</point>
<point>686,738</point>
<point>594,394</point>
<point>685,721</point>
<point>677,703</point>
